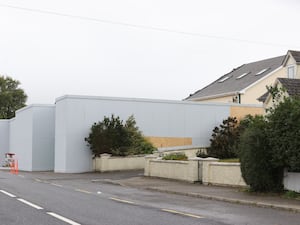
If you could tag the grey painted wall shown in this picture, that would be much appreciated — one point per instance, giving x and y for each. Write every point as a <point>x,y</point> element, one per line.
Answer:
<point>76,114</point>
<point>32,137</point>
<point>4,139</point>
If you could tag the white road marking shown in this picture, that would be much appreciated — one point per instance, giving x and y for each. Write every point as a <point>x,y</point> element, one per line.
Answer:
<point>29,203</point>
<point>182,213</point>
<point>21,176</point>
<point>8,194</point>
<point>57,185</point>
<point>63,218</point>
<point>121,200</point>
<point>99,192</point>
<point>83,191</point>
<point>37,180</point>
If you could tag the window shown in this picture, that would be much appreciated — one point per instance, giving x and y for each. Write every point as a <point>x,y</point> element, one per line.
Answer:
<point>291,71</point>
<point>223,79</point>
<point>242,75</point>
<point>262,71</point>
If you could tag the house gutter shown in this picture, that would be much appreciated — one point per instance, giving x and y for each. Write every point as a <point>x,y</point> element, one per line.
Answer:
<point>215,96</point>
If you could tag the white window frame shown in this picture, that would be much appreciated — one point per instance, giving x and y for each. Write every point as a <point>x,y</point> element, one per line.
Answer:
<point>242,75</point>
<point>223,79</point>
<point>291,68</point>
<point>262,71</point>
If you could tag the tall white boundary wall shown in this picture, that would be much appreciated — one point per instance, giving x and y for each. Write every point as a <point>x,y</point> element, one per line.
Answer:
<point>32,137</point>
<point>4,139</point>
<point>76,114</point>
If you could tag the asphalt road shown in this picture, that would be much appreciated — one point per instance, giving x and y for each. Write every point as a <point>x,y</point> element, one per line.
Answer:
<point>33,198</point>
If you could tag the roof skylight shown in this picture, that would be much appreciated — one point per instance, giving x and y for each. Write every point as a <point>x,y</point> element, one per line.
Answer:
<point>223,79</point>
<point>262,71</point>
<point>242,75</point>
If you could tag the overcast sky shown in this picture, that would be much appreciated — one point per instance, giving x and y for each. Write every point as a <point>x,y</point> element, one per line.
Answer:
<point>161,49</point>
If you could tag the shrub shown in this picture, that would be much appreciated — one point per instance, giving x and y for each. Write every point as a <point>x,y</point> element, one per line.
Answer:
<point>223,141</point>
<point>256,158</point>
<point>175,156</point>
<point>113,137</point>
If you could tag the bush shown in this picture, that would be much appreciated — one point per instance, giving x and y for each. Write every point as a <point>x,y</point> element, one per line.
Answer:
<point>256,158</point>
<point>175,156</point>
<point>223,141</point>
<point>113,137</point>
<point>284,132</point>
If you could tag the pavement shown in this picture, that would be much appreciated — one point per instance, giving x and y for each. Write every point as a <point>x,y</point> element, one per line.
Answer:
<point>197,190</point>
<point>135,179</point>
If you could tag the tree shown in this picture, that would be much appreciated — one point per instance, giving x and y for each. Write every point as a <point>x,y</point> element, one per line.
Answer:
<point>12,97</point>
<point>224,137</point>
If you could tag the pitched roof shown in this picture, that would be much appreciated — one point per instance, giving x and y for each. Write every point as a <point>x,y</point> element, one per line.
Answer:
<point>292,86</point>
<point>238,79</point>
<point>296,55</point>
<point>263,97</point>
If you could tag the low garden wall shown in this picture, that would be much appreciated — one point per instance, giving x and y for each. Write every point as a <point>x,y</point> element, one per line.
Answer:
<point>189,151</point>
<point>172,169</point>
<point>222,173</point>
<point>106,163</point>
<point>205,170</point>
<point>291,181</point>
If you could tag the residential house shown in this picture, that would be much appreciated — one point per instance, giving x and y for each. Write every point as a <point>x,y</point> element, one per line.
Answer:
<point>245,84</point>
<point>290,88</point>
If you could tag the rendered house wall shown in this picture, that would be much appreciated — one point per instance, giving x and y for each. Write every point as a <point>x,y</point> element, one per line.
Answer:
<point>76,114</point>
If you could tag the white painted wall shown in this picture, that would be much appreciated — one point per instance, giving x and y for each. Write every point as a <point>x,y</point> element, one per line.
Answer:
<point>4,139</point>
<point>291,181</point>
<point>76,114</point>
<point>32,137</point>
<point>21,138</point>
<point>43,138</point>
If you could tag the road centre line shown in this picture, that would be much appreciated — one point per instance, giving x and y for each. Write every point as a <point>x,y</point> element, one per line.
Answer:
<point>121,200</point>
<point>7,193</point>
<point>83,191</point>
<point>29,203</point>
<point>57,185</point>
<point>182,213</point>
<point>63,218</point>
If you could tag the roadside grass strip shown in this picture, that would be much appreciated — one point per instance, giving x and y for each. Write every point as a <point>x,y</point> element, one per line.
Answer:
<point>121,200</point>
<point>30,204</point>
<point>182,213</point>
<point>64,219</point>
<point>8,194</point>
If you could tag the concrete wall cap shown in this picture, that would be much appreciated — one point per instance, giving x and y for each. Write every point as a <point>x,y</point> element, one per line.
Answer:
<point>209,159</point>
<point>105,155</point>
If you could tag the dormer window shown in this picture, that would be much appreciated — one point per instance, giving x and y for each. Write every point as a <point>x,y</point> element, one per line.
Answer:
<point>262,71</point>
<point>223,79</point>
<point>291,71</point>
<point>242,75</point>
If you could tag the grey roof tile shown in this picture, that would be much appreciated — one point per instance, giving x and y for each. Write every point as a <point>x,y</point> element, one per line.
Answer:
<point>292,86</point>
<point>296,55</point>
<point>233,83</point>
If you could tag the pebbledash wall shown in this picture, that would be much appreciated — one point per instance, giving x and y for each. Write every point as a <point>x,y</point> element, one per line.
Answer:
<point>51,137</point>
